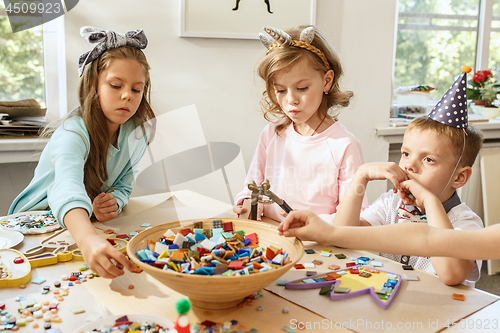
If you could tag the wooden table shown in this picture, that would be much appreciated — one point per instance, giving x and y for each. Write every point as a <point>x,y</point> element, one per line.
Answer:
<point>103,297</point>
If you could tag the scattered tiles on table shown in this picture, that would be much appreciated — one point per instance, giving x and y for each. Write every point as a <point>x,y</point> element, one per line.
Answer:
<point>93,317</point>
<point>281,282</point>
<point>326,290</point>
<point>342,290</point>
<point>410,277</point>
<point>78,310</point>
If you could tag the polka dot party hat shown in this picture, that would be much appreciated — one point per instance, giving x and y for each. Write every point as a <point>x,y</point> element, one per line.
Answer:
<point>451,110</point>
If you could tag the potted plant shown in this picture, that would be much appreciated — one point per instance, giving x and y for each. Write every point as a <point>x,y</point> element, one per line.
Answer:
<point>483,90</point>
<point>489,92</point>
<point>479,79</point>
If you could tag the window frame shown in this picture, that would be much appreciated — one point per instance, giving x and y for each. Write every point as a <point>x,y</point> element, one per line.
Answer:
<point>483,34</point>
<point>482,50</point>
<point>54,66</point>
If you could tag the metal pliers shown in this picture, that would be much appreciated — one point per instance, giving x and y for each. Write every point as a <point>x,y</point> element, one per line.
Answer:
<point>262,194</point>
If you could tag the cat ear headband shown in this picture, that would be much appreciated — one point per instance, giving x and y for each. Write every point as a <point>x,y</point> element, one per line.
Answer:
<point>108,40</point>
<point>275,37</point>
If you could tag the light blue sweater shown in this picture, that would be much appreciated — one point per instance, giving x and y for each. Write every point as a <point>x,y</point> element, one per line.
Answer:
<point>58,180</point>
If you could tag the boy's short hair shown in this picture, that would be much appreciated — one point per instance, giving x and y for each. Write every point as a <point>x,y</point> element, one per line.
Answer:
<point>473,137</point>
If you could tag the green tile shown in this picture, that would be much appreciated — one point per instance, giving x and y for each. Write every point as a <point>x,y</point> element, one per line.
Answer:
<point>342,290</point>
<point>326,290</point>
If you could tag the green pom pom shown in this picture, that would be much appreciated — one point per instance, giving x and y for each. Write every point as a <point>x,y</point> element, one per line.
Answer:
<point>182,306</point>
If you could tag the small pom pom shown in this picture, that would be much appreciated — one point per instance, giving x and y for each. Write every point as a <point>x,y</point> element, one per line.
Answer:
<point>466,69</point>
<point>182,306</point>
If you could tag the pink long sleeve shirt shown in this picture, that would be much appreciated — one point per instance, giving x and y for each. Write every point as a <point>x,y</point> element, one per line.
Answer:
<point>308,172</point>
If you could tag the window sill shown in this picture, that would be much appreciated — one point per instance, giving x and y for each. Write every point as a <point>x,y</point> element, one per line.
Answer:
<point>19,150</point>
<point>490,130</point>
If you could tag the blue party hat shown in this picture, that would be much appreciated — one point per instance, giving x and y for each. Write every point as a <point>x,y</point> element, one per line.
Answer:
<point>451,110</point>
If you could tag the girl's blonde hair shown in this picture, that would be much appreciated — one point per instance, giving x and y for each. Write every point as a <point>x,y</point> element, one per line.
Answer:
<point>95,169</point>
<point>282,58</point>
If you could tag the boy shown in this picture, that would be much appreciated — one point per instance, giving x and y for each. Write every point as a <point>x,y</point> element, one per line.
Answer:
<point>436,159</point>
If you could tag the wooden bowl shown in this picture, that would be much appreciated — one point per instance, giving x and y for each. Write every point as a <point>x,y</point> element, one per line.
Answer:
<point>218,292</point>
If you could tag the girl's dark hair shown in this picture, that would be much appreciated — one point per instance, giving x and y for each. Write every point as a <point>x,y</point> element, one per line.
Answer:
<point>90,110</point>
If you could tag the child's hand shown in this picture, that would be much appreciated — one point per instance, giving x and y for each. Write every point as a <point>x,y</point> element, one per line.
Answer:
<point>381,171</point>
<point>105,207</point>
<point>239,210</point>
<point>307,226</point>
<point>418,192</point>
<point>97,253</point>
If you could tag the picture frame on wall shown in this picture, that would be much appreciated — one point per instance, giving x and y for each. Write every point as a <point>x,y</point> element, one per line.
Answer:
<point>242,19</point>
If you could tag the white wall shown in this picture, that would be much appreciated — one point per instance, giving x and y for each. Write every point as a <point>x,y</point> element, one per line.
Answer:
<point>217,75</point>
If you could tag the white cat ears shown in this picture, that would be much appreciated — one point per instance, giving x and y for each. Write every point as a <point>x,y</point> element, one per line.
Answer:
<point>276,37</point>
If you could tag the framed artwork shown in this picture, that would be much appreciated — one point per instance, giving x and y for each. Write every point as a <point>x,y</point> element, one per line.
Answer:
<point>242,19</point>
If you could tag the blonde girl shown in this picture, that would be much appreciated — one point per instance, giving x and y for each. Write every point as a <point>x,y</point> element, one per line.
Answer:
<point>307,155</point>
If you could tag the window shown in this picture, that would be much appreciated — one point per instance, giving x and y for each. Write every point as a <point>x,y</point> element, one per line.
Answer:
<point>32,64</point>
<point>436,38</point>
<point>494,61</point>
